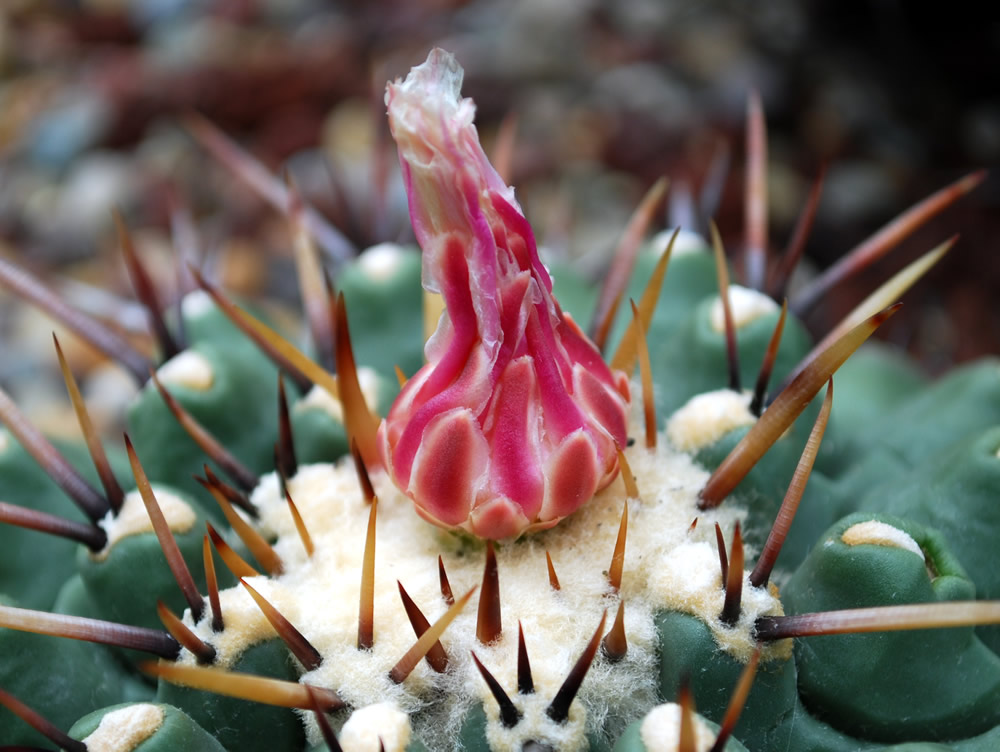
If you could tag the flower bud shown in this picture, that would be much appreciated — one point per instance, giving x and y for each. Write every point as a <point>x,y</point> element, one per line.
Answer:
<point>515,421</point>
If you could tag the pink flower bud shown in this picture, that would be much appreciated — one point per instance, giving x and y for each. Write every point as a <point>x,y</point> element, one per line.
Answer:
<point>515,420</point>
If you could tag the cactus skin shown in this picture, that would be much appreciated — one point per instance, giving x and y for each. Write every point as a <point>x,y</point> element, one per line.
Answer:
<point>239,724</point>
<point>23,482</point>
<point>631,740</point>
<point>385,308</point>
<point>320,435</point>
<point>703,352</point>
<point>687,648</point>
<point>66,677</point>
<point>968,518</point>
<point>244,391</point>
<point>863,683</point>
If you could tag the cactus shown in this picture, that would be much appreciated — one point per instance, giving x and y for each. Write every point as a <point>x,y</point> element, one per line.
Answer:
<point>322,596</point>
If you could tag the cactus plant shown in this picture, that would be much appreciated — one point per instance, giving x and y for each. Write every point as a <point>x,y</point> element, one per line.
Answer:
<point>518,469</point>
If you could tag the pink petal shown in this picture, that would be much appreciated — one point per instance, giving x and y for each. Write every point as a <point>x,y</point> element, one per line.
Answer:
<point>449,466</point>
<point>572,472</point>
<point>498,518</point>
<point>515,467</point>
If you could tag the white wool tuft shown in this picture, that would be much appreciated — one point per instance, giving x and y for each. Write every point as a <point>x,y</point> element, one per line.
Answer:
<point>880,534</point>
<point>706,418</point>
<point>133,519</point>
<point>661,730</point>
<point>125,729</point>
<point>374,728</point>
<point>196,304</point>
<point>747,306</point>
<point>380,262</point>
<point>188,368</point>
<point>687,242</point>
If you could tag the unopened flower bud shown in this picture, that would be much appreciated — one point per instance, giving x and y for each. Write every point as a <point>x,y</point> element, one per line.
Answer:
<point>515,421</point>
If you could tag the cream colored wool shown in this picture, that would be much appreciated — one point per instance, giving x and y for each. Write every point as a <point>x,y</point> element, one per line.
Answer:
<point>661,730</point>
<point>706,418</point>
<point>125,729</point>
<point>376,728</point>
<point>747,306</point>
<point>880,534</point>
<point>382,261</point>
<point>188,368</point>
<point>133,519</point>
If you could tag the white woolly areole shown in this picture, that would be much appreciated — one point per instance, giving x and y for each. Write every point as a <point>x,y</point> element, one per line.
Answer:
<point>133,519</point>
<point>687,242</point>
<point>706,418</point>
<point>188,368</point>
<point>666,567</point>
<point>367,726</point>
<point>381,262</point>
<point>661,730</point>
<point>319,398</point>
<point>125,729</point>
<point>880,534</point>
<point>747,306</point>
<point>196,304</point>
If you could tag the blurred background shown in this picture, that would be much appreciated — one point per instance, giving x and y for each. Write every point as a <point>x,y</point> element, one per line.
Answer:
<point>99,98</point>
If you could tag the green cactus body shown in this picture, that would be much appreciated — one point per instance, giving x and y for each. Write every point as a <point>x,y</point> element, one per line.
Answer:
<point>969,473</point>
<point>873,381</point>
<point>700,344</point>
<point>23,482</point>
<point>964,402</point>
<point>239,724</point>
<point>66,677</point>
<point>74,600</point>
<point>125,580</point>
<point>762,490</point>
<point>632,740</point>
<point>225,382</point>
<point>875,686</point>
<point>690,279</point>
<point>385,308</point>
<point>688,648</point>
<point>318,420</point>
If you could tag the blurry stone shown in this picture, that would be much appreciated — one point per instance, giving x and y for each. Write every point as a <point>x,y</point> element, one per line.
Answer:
<point>151,12</point>
<point>857,192</point>
<point>647,89</point>
<point>981,131</point>
<point>640,18</point>
<point>73,216</point>
<point>780,25</point>
<point>164,146</point>
<point>787,192</point>
<point>522,40</point>
<point>76,122</point>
